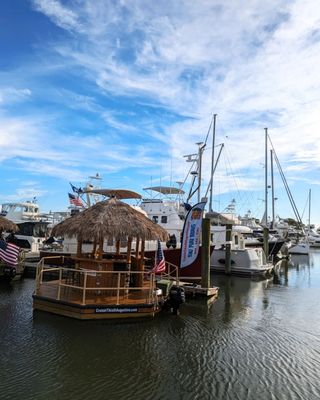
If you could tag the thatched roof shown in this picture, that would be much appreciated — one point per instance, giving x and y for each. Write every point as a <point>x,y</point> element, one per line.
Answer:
<point>7,225</point>
<point>110,219</point>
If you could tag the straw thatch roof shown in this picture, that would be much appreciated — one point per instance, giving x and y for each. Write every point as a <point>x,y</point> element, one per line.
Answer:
<point>110,219</point>
<point>7,225</point>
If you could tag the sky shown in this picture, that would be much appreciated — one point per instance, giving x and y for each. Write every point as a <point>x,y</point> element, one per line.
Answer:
<point>127,88</point>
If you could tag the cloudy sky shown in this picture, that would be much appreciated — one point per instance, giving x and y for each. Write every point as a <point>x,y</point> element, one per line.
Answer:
<point>126,89</point>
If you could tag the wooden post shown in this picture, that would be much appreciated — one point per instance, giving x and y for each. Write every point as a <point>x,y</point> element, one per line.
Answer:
<point>79,246</point>
<point>137,247</point>
<point>101,239</point>
<point>128,264</point>
<point>140,266</point>
<point>118,247</point>
<point>129,250</point>
<point>228,249</point>
<point>94,248</point>
<point>205,253</point>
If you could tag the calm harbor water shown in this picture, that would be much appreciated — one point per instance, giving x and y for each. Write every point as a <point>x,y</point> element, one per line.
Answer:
<point>258,340</point>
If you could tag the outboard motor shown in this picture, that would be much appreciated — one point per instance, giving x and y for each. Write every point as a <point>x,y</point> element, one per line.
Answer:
<point>9,272</point>
<point>176,298</point>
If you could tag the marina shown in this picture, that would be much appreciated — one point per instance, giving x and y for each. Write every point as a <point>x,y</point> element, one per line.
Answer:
<point>159,226</point>
<point>257,340</point>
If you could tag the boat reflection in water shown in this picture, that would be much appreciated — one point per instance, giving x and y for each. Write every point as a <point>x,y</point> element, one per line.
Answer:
<point>258,340</point>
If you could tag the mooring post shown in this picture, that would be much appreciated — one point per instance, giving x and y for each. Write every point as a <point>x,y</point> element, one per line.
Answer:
<point>228,249</point>
<point>205,253</point>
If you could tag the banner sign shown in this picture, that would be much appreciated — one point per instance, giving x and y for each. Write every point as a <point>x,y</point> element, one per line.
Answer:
<point>191,235</point>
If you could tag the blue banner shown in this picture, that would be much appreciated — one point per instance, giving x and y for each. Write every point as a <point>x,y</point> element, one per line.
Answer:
<point>191,235</point>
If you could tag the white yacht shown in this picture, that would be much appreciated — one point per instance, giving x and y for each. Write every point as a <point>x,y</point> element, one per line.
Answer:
<point>244,261</point>
<point>168,212</point>
<point>33,226</point>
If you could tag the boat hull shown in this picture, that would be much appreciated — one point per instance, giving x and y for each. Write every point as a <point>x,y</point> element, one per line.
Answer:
<point>94,311</point>
<point>246,262</point>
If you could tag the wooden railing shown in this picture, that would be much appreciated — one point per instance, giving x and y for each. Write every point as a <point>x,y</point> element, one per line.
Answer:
<point>81,280</point>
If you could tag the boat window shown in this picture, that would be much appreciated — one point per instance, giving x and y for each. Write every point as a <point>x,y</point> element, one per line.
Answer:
<point>164,219</point>
<point>155,218</point>
<point>236,239</point>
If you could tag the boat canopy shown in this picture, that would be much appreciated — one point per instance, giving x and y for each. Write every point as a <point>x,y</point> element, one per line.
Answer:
<point>117,193</point>
<point>166,189</point>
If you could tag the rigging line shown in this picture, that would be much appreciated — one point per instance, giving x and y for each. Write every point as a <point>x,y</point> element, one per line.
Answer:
<point>292,202</point>
<point>244,198</point>
<point>305,206</point>
<point>205,142</point>
<point>190,169</point>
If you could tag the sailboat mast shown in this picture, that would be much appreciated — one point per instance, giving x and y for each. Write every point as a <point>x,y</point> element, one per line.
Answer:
<point>309,209</point>
<point>266,175</point>
<point>201,148</point>
<point>272,188</point>
<point>212,160</point>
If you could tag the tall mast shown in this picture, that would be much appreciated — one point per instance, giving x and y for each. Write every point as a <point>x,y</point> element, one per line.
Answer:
<point>201,148</point>
<point>272,188</point>
<point>309,209</point>
<point>212,159</point>
<point>266,176</point>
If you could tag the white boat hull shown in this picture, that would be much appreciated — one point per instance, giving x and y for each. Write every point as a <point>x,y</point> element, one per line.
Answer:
<point>247,262</point>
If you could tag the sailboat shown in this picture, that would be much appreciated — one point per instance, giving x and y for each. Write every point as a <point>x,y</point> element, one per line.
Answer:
<point>303,245</point>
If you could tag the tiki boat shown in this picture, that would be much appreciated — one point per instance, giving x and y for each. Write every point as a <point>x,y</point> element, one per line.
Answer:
<point>100,285</point>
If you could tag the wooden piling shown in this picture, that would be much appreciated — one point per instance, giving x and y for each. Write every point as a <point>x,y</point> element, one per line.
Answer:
<point>228,249</point>
<point>205,253</point>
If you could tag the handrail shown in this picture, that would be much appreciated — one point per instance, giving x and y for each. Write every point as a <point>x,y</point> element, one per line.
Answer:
<point>84,288</point>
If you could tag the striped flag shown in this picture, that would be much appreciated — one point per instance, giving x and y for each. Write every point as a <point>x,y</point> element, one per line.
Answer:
<point>76,201</point>
<point>9,253</point>
<point>160,264</point>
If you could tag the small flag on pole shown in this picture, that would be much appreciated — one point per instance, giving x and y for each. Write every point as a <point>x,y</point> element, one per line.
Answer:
<point>160,264</point>
<point>75,189</point>
<point>9,252</point>
<point>76,201</point>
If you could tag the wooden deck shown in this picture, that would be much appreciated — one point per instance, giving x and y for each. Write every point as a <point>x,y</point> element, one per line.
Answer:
<point>89,294</point>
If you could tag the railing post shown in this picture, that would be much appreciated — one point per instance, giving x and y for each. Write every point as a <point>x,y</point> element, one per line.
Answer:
<point>118,288</point>
<point>59,287</point>
<point>41,272</point>
<point>39,266</point>
<point>84,289</point>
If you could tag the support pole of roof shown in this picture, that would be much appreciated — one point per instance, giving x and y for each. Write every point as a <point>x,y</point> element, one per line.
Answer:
<point>101,239</point>
<point>79,246</point>
<point>94,248</point>
<point>137,247</point>
<point>129,250</point>
<point>118,246</point>
<point>142,253</point>
<point>129,244</point>
<point>140,266</point>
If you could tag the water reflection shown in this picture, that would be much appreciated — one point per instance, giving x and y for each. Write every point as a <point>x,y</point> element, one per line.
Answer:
<point>258,340</point>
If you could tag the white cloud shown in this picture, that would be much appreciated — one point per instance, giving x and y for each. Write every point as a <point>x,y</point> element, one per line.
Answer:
<point>61,15</point>
<point>254,65</point>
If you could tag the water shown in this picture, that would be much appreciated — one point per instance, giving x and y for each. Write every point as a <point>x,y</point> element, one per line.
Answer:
<point>258,340</point>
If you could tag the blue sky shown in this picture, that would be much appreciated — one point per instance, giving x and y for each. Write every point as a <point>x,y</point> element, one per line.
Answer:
<point>126,89</point>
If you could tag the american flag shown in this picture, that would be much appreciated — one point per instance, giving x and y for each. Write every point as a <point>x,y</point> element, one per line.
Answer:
<point>9,252</point>
<point>159,265</point>
<point>76,201</point>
